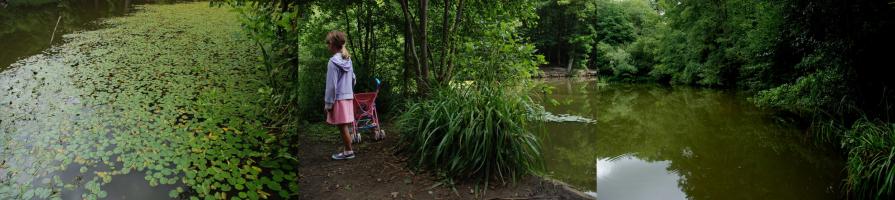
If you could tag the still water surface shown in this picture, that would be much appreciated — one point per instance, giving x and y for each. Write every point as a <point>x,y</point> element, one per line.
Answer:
<point>26,26</point>
<point>37,95</point>
<point>652,142</point>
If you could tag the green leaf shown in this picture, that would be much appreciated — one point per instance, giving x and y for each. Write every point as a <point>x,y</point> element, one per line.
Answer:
<point>174,194</point>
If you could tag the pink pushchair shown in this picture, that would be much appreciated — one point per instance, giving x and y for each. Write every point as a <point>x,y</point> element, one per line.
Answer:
<point>365,115</point>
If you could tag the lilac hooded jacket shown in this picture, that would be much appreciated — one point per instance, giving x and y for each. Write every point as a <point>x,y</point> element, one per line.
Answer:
<point>339,80</point>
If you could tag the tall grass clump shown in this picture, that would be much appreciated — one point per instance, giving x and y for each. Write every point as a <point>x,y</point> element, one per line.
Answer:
<point>870,165</point>
<point>471,133</point>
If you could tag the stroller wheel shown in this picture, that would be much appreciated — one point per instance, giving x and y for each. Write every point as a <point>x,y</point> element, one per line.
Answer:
<point>356,137</point>
<point>380,135</point>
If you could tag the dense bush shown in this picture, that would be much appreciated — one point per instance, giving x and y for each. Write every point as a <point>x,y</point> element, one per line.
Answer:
<point>472,132</point>
<point>476,127</point>
<point>871,159</point>
<point>269,26</point>
<point>619,61</point>
<point>592,34</point>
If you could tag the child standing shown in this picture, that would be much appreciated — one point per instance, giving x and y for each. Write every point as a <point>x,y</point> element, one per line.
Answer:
<point>339,95</point>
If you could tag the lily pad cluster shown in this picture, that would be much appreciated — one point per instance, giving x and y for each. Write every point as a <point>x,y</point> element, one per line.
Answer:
<point>173,92</point>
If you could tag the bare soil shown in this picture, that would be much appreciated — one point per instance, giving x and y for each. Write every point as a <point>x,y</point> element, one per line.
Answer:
<point>378,173</point>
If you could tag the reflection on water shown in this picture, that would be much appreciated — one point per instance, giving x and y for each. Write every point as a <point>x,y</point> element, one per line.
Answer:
<point>631,178</point>
<point>652,142</point>
<point>27,26</point>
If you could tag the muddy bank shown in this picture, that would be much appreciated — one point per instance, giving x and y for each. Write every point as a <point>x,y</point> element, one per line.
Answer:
<point>557,72</point>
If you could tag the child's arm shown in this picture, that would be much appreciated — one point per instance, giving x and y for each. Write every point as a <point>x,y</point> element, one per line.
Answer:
<point>329,96</point>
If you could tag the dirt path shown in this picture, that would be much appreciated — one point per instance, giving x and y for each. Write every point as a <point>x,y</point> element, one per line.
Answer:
<point>377,173</point>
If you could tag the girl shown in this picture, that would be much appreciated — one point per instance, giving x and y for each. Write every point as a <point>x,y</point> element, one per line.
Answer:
<point>339,93</point>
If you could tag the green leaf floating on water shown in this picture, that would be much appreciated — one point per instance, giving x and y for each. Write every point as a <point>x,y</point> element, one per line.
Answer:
<point>170,91</point>
<point>174,193</point>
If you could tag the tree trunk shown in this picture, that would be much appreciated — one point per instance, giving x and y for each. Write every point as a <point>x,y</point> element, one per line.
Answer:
<point>569,68</point>
<point>412,60</point>
<point>424,45</point>
<point>451,47</point>
<point>445,40</point>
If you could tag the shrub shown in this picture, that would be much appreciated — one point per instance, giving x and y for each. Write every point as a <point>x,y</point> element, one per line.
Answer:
<point>871,151</point>
<point>815,93</point>
<point>472,133</point>
<point>619,61</point>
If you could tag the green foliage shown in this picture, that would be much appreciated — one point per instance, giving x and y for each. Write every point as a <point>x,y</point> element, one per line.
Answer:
<point>810,94</point>
<point>619,61</point>
<point>313,70</point>
<point>593,34</point>
<point>498,54</point>
<point>172,92</point>
<point>871,159</point>
<point>273,29</point>
<point>291,34</point>
<point>471,132</point>
<point>474,41</point>
<point>478,129</point>
<point>708,42</point>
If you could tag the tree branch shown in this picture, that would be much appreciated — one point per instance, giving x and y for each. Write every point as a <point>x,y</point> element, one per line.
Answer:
<point>410,47</point>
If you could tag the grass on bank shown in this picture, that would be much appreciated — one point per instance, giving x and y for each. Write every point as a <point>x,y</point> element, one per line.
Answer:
<point>871,159</point>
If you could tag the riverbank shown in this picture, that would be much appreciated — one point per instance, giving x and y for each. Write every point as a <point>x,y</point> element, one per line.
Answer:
<point>378,173</point>
<point>559,72</point>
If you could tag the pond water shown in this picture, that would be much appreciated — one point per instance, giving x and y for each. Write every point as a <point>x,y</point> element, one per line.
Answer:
<point>652,142</point>
<point>27,26</point>
<point>40,105</point>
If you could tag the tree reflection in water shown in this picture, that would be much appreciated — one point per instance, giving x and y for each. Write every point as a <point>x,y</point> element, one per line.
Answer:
<point>716,142</point>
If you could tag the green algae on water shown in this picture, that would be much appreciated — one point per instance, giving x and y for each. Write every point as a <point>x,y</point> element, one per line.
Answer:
<point>172,92</point>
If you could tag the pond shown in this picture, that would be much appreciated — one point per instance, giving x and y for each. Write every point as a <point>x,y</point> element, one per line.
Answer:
<point>28,26</point>
<point>40,88</point>
<point>653,142</point>
<point>146,106</point>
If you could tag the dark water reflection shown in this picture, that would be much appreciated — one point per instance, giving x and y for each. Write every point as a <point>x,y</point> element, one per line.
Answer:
<point>26,26</point>
<point>651,142</point>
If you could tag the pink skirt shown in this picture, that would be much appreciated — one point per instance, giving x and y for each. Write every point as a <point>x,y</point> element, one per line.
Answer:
<point>342,112</point>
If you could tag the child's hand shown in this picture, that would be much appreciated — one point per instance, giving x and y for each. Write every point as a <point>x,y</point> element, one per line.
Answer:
<point>327,107</point>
